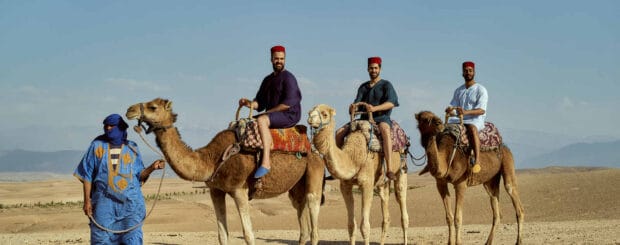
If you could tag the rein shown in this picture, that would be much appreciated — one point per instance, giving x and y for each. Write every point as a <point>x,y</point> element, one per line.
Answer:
<point>139,131</point>
<point>456,144</point>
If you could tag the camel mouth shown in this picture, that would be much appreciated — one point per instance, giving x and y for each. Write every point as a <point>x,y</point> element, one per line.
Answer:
<point>132,115</point>
<point>312,119</point>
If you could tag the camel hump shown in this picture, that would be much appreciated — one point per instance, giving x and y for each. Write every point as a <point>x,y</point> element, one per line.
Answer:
<point>490,138</point>
<point>400,140</point>
<point>293,139</point>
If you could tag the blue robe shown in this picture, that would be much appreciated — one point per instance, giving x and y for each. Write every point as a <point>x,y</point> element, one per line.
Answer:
<point>116,197</point>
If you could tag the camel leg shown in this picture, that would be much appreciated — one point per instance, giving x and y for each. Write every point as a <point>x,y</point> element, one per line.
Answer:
<point>459,190</point>
<point>218,198</point>
<point>297,197</point>
<point>442,188</point>
<point>367,192</point>
<point>384,194</point>
<point>243,206</point>
<point>346,189</point>
<point>492,188</point>
<point>510,184</point>
<point>400,189</point>
<point>314,186</point>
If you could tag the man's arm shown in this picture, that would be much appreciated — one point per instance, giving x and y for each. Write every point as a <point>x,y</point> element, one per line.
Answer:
<point>382,107</point>
<point>280,107</point>
<point>144,175</point>
<point>88,207</point>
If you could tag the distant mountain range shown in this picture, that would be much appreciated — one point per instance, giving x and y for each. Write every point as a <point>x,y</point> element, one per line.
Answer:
<point>59,162</point>
<point>605,154</point>
<point>602,154</point>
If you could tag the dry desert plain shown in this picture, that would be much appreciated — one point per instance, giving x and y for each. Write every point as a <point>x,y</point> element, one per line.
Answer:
<point>562,206</point>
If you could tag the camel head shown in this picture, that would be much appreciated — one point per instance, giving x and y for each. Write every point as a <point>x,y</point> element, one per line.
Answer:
<point>320,115</point>
<point>429,123</point>
<point>157,113</point>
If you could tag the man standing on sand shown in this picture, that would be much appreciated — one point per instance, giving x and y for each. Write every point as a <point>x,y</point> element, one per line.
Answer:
<point>280,97</point>
<point>470,100</point>
<point>112,174</point>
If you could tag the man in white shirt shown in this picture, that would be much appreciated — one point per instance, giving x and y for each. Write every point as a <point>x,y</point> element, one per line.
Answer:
<point>470,100</point>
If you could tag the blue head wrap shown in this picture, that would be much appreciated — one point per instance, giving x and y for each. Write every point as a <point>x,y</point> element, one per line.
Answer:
<point>118,134</point>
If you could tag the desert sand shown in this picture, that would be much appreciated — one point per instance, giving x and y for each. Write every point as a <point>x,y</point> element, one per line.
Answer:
<point>562,206</point>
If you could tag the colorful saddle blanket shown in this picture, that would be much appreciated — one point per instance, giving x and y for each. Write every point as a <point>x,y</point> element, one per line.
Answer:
<point>400,141</point>
<point>294,139</point>
<point>490,138</point>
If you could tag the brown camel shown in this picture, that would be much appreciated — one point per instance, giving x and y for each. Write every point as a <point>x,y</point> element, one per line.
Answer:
<point>353,165</point>
<point>495,165</point>
<point>301,177</point>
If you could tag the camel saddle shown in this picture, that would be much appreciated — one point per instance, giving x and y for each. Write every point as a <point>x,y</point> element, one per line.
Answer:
<point>294,139</point>
<point>490,138</point>
<point>400,141</point>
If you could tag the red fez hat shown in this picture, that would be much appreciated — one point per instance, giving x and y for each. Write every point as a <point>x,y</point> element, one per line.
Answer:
<point>277,49</point>
<point>374,60</point>
<point>470,64</point>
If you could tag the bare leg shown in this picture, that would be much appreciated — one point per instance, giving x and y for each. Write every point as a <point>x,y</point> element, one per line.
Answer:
<point>263,129</point>
<point>475,141</point>
<point>346,189</point>
<point>400,189</point>
<point>218,198</point>
<point>367,193</point>
<point>384,194</point>
<point>243,206</point>
<point>386,135</point>
<point>459,190</point>
<point>444,192</point>
<point>492,188</point>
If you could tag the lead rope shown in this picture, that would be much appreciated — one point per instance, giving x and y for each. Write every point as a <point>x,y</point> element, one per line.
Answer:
<point>92,219</point>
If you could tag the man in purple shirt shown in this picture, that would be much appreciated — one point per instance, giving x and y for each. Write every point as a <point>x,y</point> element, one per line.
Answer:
<point>280,97</point>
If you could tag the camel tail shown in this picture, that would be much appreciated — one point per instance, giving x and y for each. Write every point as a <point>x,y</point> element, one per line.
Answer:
<point>424,170</point>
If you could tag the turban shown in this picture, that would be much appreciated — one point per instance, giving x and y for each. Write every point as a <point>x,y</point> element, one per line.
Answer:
<point>469,64</point>
<point>118,134</point>
<point>277,49</point>
<point>374,60</point>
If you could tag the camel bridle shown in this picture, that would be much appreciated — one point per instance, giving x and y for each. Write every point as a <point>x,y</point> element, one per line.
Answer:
<point>151,127</point>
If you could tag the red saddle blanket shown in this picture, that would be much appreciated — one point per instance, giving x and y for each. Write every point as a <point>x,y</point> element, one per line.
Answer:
<point>294,139</point>
<point>490,138</point>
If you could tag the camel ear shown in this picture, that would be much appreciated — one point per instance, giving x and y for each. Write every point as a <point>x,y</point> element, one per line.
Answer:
<point>168,106</point>
<point>417,116</point>
<point>332,111</point>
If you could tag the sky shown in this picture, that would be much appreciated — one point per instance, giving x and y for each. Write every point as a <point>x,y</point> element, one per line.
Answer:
<point>549,66</point>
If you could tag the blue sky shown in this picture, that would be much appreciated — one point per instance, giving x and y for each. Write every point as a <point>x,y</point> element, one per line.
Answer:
<point>549,66</point>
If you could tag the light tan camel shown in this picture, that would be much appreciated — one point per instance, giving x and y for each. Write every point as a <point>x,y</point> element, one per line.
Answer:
<point>495,165</point>
<point>301,177</point>
<point>353,165</point>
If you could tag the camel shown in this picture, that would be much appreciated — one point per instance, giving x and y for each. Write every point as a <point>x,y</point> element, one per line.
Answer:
<point>303,177</point>
<point>495,165</point>
<point>353,165</point>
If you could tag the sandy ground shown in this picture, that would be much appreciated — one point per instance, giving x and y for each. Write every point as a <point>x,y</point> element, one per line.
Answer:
<point>562,205</point>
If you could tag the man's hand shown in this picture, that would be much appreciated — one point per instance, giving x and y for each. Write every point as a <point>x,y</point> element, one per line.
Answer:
<point>459,110</point>
<point>370,108</point>
<point>245,102</point>
<point>88,208</point>
<point>158,164</point>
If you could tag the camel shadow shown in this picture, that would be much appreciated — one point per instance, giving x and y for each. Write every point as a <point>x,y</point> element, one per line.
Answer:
<point>292,242</point>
